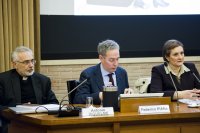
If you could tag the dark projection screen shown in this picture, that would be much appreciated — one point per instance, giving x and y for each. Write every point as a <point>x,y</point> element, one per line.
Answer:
<point>77,37</point>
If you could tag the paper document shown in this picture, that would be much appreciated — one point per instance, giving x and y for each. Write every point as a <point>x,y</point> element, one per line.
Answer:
<point>189,101</point>
<point>22,109</point>
<point>141,95</point>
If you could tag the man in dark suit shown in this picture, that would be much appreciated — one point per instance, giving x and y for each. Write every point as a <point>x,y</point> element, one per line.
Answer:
<point>22,85</point>
<point>97,76</point>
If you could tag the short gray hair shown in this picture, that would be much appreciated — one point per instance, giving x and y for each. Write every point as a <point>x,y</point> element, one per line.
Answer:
<point>18,50</point>
<point>107,45</point>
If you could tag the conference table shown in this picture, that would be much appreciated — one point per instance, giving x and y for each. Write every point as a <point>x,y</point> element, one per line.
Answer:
<point>180,120</point>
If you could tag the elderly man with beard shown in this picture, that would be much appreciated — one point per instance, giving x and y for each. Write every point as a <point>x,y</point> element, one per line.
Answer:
<point>22,85</point>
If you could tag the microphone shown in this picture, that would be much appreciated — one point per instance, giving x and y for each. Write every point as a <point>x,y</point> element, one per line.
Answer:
<point>166,64</point>
<point>195,76</point>
<point>70,111</point>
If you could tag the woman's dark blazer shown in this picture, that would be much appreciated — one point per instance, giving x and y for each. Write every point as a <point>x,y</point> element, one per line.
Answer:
<point>161,82</point>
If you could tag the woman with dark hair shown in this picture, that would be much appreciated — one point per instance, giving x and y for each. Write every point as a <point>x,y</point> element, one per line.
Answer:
<point>174,75</point>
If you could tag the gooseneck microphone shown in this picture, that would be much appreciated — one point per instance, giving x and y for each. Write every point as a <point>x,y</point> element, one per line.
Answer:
<point>195,76</point>
<point>70,111</point>
<point>177,102</point>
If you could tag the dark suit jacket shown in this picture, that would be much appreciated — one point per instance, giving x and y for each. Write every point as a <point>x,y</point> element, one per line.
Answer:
<point>161,82</point>
<point>10,91</point>
<point>95,84</point>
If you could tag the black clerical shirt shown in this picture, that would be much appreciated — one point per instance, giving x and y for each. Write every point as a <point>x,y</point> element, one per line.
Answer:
<point>27,91</point>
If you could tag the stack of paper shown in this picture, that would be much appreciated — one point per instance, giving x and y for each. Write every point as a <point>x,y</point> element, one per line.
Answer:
<point>189,101</point>
<point>29,108</point>
<point>141,95</point>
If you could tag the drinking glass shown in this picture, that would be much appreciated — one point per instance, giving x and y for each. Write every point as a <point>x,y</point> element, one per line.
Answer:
<point>89,102</point>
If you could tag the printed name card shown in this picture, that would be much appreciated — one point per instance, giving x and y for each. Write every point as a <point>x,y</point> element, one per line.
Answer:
<point>101,111</point>
<point>154,109</point>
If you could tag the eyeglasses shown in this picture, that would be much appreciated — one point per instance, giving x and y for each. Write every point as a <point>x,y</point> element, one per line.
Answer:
<point>26,62</point>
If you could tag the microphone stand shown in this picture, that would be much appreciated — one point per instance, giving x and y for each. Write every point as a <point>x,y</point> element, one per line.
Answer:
<point>71,112</point>
<point>177,102</point>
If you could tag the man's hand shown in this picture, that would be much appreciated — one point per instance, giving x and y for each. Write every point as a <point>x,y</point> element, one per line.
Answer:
<point>128,91</point>
<point>101,96</point>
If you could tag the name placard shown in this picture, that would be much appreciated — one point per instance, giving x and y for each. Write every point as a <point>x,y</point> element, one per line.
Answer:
<point>154,109</point>
<point>101,111</point>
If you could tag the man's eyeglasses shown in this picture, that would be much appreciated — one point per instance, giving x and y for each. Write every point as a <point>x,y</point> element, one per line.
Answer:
<point>26,62</point>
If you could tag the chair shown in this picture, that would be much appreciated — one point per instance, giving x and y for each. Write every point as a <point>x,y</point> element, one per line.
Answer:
<point>148,88</point>
<point>71,84</point>
<point>3,125</point>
